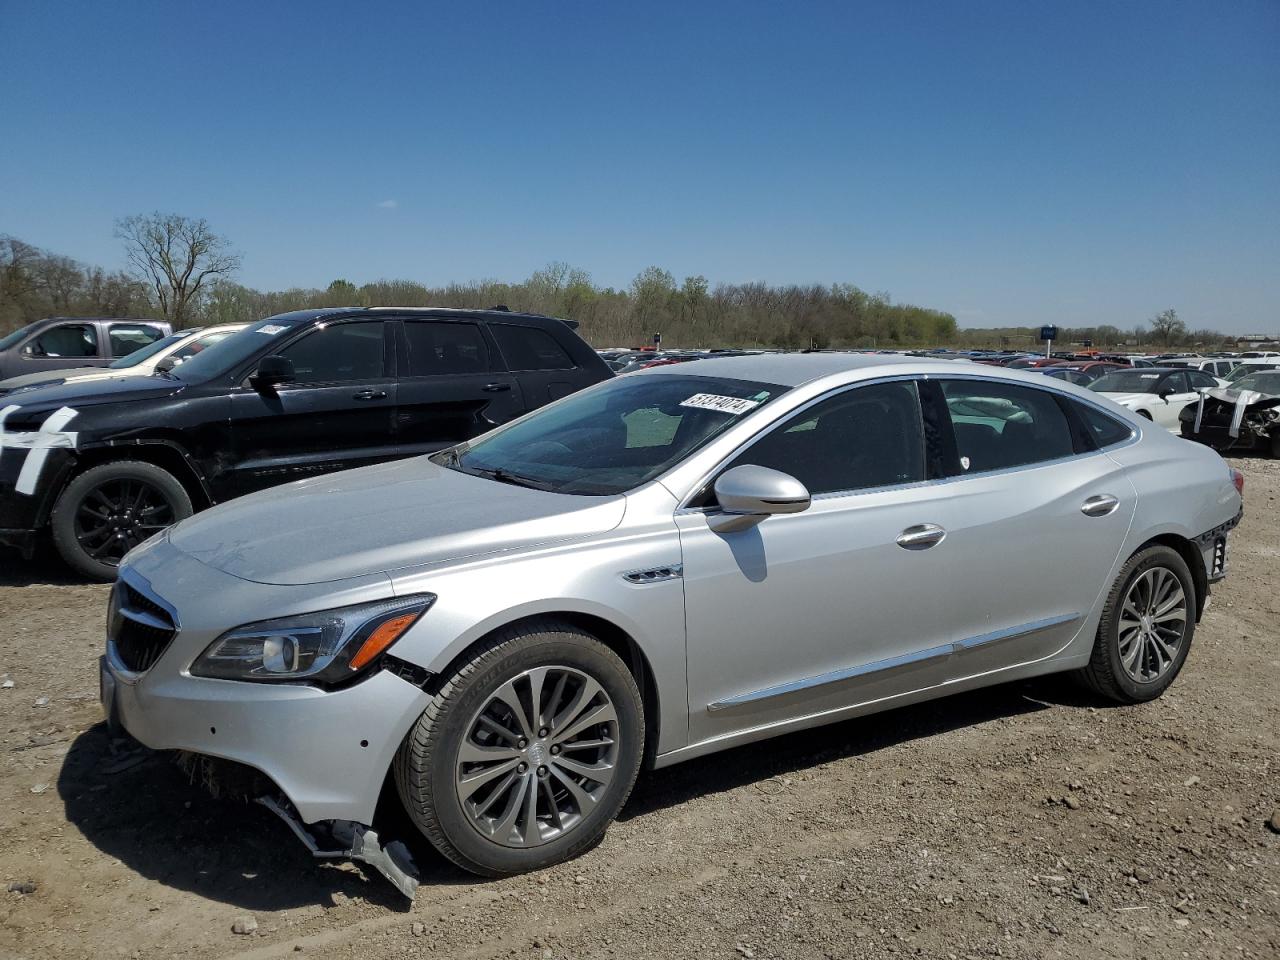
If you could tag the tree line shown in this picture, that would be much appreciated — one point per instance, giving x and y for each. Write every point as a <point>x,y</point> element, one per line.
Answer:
<point>182,271</point>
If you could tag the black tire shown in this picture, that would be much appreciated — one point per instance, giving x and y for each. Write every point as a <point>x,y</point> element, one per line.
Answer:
<point>1105,673</point>
<point>1273,446</point>
<point>427,761</point>
<point>165,502</point>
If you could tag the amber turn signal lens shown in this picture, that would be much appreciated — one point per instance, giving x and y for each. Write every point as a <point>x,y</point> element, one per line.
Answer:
<point>381,638</point>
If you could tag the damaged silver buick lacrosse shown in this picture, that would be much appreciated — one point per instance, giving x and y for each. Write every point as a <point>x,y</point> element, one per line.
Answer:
<point>663,565</point>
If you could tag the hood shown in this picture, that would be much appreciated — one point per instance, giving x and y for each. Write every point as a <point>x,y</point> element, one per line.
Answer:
<point>45,376</point>
<point>89,393</point>
<point>383,518</point>
<point>1251,398</point>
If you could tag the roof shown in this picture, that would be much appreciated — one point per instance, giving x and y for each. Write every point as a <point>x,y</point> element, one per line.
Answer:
<point>300,316</point>
<point>793,369</point>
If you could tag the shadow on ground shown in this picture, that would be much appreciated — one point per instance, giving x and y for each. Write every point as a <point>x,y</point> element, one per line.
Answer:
<point>159,824</point>
<point>43,568</point>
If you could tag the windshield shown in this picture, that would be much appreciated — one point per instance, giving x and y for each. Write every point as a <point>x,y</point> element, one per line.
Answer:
<point>231,351</point>
<point>1248,369</point>
<point>1128,381</point>
<point>146,353</point>
<point>614,438</point>
<point>1265,382</point>
<point>17,335</point>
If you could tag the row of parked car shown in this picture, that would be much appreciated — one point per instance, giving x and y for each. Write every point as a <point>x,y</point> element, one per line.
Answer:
<point>126,426</point>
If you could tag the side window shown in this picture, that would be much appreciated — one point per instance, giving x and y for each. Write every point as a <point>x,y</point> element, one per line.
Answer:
<point>1002,425</point>
<point>338,354</point>
<point>125,338</point>
<point>438,347</point>
<point>865,437</point>
<point>1199,380</point>
<point>1105,430</point>
<point>1173,383</point>
<point>67,340</point>
<point>527,348</point>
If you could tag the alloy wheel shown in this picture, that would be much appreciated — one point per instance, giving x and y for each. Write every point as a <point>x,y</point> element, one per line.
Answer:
<point>1153,622</point>
<point>117,515</point>
<point>537,756</point>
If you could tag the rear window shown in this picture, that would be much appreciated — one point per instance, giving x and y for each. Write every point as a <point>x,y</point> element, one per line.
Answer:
<point>1105,429</point>
<point>527,348</point>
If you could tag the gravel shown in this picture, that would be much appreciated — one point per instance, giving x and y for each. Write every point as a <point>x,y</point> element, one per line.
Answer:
<point>923,831</point>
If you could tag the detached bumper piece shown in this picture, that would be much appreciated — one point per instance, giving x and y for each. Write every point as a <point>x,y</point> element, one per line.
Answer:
<point>1213,543</point>
<point>345,840</point>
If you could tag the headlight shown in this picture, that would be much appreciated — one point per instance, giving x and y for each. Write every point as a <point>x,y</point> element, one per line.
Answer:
<point>328,646</point>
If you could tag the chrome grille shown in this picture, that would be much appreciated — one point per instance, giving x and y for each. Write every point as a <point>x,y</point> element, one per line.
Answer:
<point>139,628</point>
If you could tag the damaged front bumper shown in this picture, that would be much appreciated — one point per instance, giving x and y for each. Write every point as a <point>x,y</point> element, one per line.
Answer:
<point>1227,420</point>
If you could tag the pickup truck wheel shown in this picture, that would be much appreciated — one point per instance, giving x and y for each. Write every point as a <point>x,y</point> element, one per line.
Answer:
<point>527,752</point>
<point>1146,628</point>
<point>108,510</point>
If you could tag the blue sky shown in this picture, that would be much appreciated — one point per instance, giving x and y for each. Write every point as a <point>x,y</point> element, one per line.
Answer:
<point>1010,162</point>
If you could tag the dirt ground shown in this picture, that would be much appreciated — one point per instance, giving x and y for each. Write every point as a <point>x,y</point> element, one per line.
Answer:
<point>1022,821</point>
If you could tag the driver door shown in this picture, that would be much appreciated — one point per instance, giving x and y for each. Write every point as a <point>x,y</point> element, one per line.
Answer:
<point>802,613</point>
<point>1176,393</point>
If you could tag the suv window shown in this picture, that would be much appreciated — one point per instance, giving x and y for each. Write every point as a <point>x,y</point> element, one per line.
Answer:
<point>1104,429</point>
<point>527,348</point>
<point>866,437</point>
<point>337,354</point>
<point>1001,425</point>
<point>125,338</point>
<point>67,340</point>
<point>437,347</point>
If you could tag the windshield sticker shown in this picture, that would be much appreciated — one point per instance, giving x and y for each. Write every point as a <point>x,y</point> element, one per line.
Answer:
<point>712,401</point>
<point>271,329</point>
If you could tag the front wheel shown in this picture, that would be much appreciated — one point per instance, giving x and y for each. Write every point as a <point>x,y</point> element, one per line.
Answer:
<point>109,509</point>
<point>527,753</point>
<point>1146,628</point>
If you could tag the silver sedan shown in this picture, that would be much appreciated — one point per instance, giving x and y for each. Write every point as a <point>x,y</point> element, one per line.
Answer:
<point>661,566</point>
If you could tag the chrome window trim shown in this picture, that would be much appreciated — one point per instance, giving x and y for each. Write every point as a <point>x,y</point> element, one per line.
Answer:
<point>1135,434</point>
<point>941,652</point>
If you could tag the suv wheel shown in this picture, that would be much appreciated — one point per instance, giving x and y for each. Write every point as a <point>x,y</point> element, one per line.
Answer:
<point>108,510</point>
<point>527,753</point>
<point>1146,629</point>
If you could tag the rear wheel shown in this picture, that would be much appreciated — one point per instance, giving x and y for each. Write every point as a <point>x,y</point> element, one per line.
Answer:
<point>527,753</point>
<point>1146,629</point>
<point>108,510</point>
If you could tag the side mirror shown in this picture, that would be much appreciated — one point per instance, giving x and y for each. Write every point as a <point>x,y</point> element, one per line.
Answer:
<point>271,372</point>
<point>749,493</point>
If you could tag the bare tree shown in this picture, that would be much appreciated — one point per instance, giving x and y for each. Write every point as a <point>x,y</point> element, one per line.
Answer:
<point>1166,325</point>
<point>177,255</point>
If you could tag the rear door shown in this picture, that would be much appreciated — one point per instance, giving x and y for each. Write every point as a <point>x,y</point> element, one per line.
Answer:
<point>452,385</point>
<point>1035,516</point>
<point>123,339</point>
<point>545,369</point>
<point>339,413</point>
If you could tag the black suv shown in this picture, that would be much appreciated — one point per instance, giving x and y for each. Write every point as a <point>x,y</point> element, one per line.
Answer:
<point>108,463</point>
<point>60,342</point>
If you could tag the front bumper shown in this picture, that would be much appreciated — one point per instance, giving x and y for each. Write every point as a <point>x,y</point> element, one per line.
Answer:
<point>327,750</point>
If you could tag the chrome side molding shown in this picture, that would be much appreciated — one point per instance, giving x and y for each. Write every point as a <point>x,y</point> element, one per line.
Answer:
<point>942,652</point>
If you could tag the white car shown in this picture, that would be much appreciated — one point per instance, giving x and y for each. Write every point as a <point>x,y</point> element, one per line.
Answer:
<point>1157,393</point>
<point>164,354</point>
<point>1214,366</point>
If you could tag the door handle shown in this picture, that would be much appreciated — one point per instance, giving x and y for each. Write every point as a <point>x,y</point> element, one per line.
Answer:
<point>921,537</point>
<point>1099,506</point>
<point>496,387</point>
<point>369,395</point>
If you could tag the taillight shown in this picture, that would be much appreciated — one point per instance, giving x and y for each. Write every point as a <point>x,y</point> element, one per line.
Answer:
<point>1238,479</point>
